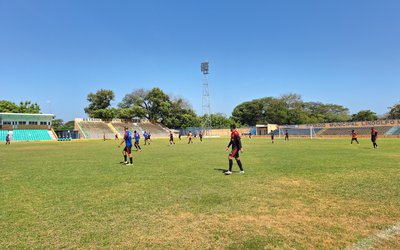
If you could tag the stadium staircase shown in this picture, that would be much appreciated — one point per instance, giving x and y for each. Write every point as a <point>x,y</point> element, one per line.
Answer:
<point>110,125</point>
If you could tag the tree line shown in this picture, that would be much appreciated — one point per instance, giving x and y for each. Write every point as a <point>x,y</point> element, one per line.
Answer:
<point>173,112</point>
<point>176,112</point>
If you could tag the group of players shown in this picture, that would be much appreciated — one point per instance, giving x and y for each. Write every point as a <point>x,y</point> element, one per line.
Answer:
<point>235,142</point>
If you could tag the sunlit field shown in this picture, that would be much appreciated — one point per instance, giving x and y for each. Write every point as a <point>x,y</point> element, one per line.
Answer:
<point>302,194</point>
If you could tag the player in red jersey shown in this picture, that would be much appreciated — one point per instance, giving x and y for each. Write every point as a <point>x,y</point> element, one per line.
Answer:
<point>374,136</point>
<point>236,147</point>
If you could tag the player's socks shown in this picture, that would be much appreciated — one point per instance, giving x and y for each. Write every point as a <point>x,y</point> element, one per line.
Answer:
<point>130,159</point>
<point>240,165</point>
<point>124,158</point>
<point>230,165</point>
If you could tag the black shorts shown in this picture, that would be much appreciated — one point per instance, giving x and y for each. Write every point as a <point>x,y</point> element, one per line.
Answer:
<point>171,139</point>
<point>128,149</point>
<point>272,137</point>
<point>234,153</point>
<point>373,139</point>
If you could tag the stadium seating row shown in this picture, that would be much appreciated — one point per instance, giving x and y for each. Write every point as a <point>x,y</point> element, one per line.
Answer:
<point>26,135</point>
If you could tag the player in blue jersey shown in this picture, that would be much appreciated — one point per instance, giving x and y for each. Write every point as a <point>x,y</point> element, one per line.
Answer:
<point>128,146</point>
<point>137,138</point>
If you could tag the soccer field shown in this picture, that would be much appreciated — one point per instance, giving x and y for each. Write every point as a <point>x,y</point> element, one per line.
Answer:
<point>302,194</point>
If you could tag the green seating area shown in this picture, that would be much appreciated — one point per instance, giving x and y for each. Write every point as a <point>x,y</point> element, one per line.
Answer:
<point>26,135</point>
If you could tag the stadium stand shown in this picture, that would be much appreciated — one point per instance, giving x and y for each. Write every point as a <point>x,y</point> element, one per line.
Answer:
<point>96,129</point>
<point>393,131</point>
<point>297,131</point>
<point>119,126</point>
<point>363,131</point>
<point>3,134</point>
<point>155,129</point>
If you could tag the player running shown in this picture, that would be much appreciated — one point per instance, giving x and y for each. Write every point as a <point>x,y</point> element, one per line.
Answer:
<point>354,136</point>
<point>201,136</point>
<point>236,147</point>
<point>7,139</point>
<point>374,136</point>
<point>137,139</point>
<point>171,138</point>
<point>128,146</point>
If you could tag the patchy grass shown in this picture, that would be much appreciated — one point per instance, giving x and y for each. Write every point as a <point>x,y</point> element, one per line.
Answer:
<point>300,194</point>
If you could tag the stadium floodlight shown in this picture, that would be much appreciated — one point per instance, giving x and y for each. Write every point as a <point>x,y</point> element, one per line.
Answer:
<point>206,104</point>
<point>204,67</point>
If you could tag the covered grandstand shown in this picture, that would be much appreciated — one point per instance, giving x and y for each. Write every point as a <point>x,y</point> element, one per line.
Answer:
<point>26,127</point>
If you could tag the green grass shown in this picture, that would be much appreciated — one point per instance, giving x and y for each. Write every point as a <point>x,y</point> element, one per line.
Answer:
<point>304,194</point>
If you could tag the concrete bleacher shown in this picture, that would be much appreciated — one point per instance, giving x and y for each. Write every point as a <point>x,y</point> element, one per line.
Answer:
<point>393,131</point>
<point>155,129</point>
<point>96,129</point>
<point>119,126</point>
<point>297,131</point>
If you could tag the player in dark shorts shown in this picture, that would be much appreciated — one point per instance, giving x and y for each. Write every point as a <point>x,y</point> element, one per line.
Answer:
<point>180,135</point>
<point>137,139</point>
<point>171,138</point>
<point>190,137</point>
<point>354,137</point>
<point>286,135</point>
<point>201,136</point>
<point>272,136</point>
<point>128,146</point>
<point>374,136</point>
<point>236,147</point>
<point>7,139</point>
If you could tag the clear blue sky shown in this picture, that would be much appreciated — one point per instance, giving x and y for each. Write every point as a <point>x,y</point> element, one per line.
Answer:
<point>341,52</point>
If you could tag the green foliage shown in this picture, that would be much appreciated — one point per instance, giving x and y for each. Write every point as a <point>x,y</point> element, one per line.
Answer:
<point>8,107</point>
<point>394,112</point>
<point>218,120</point>
<point>288,109</point>
<point>364,115</point>
<point>99,104</point>
<point>24,107</point>
<point>58,124</point>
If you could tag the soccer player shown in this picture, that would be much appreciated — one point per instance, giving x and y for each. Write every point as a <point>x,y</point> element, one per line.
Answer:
<point>354,137</point>
<point>374,136</point>
<point>7,139</point>
<point>236,147</point>
<point>286,135</point>
<point>116,136</point>
<point>201,136</point>
<point>180,135</point>
<point>128,146</point>
<point>137,138</point>
<point>272,136</point>
<point>171,138</point>
<point>190,137</point>
<point>146,138</point>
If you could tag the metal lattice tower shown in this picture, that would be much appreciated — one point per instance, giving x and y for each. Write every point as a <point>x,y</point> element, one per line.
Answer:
<point>206,105</point>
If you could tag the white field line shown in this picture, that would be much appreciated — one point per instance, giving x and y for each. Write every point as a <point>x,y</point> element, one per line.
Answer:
<point>378,237</point>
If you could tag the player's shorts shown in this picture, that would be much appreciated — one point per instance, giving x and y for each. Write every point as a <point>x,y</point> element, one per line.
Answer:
<point>272,137</point>
<point>128,149</point>
<point>171,139</point>
<point>373,139</point>
<point>136,142</point>
<point>234,153</point>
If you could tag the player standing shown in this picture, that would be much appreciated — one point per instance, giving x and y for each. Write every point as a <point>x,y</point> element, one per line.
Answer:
<point>128,146</point>
<point>354,137</point>
<point>374,136</point>
<point>201,136</point>
<point>137,139</point>
<point>7,139</point>
<point>272,136</point>
<point>236,147</point>
<point>286,135</point>
<point>190,137</point>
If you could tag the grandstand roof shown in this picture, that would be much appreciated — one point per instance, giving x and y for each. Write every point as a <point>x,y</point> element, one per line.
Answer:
<point>24,114</point>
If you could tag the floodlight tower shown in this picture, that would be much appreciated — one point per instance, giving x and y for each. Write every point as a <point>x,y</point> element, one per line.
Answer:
<point>206,106</point>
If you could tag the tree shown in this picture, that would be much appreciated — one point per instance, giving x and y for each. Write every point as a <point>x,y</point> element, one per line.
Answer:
<point>99,102</point>
<point>57,124</point>
<point>28,107</point>
<point>248,113</point>
<point>364,115</point>
<point>394,112</point>
<point>8,107</point>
